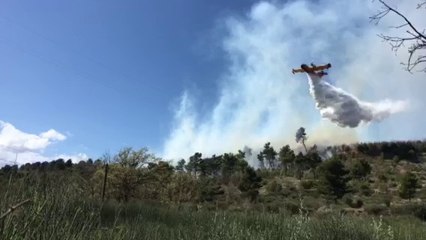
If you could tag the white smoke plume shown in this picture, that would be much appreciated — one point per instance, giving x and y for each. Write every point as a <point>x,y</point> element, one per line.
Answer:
<point>346,110</point>
<point>259,100</point>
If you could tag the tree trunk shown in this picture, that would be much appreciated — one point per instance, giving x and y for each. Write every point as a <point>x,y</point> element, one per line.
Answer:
<point>303,143</point>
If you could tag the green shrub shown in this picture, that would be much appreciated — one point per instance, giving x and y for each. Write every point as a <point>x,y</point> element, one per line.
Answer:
<point>387,200</point>
<point>382,177</point>
<point>415,209</point>
<point>274,187</point>
<point>313,202</point>
<point>307,184</point>
<point>376,209</point>
<point>420,212</point>
<point>292,207</point>
<point>409,184</point>
<point>365,189</point>
<point>360,169</point>
<point>358,203</point>
<point>273,207</point>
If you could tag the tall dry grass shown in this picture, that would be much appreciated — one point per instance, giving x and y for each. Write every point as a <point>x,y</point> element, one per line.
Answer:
<point>59,209</point>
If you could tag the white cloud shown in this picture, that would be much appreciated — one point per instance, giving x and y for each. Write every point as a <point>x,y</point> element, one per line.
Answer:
<point>260,100</point>
<point>53,135</point>
<point>22,147</point>
<point>13,139</point>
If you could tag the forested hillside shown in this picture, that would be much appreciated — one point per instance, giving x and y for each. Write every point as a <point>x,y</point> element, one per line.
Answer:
<point>370,177</point>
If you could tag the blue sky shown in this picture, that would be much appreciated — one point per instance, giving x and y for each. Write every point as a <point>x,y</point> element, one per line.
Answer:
<point>106,73</point>
<point>79,78</point>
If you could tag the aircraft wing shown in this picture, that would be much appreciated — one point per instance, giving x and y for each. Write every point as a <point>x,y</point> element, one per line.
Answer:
<point>297,70</point>
<point>313,69</point>
<point>321,68</point>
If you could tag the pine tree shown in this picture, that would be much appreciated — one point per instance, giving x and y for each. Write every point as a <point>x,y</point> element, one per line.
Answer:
<point>333,178</point>
<point>409,184</point>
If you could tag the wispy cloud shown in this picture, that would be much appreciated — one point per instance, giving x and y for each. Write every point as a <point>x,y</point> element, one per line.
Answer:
<point>22,147</point>
<point>260,100</point>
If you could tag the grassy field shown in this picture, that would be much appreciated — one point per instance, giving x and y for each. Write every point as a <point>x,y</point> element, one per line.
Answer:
<point>60,212</point>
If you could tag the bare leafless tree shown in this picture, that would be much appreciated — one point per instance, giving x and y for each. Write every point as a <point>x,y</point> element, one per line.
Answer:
<point>415,38</point>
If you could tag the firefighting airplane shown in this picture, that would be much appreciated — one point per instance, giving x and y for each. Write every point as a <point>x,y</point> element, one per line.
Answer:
<point>312,69</point>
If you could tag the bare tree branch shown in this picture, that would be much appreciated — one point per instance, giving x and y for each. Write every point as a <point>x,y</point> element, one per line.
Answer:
<point>401,26</point>
<point>416,38</point>
<point>420,5</point>
<point>389,9</point>
<point>13,208</point>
